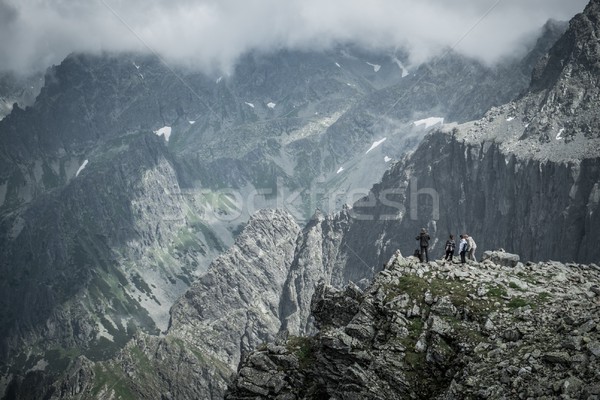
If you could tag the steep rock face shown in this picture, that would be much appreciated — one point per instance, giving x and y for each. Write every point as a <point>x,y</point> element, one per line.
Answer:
<point>287,107</point>
<point>185,373</point>
<point>318,256</point>
<point>566,87</point>
<point>104,224</point>
<point>516,179</point>
<point>20,90</point>
<point>225,314</point>
<point>540,208</point>
<point>441,331</point>
<point>89,265</point>
<point>235,306</point>
<point>164,239</point>
<point>491,178</point>
<point>86,98</point>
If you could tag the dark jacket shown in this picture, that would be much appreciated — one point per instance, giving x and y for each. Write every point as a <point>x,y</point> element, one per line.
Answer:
<point>423,239</point>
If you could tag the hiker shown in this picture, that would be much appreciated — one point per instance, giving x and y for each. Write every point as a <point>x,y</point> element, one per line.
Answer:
<point>463,248</point>
<point>423,239</point>
<point>450,246</point>
<point>472,247</point>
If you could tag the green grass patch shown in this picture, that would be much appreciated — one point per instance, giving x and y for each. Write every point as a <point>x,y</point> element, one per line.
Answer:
<point>543,297</point>
<point>142,361</point>
<point>415,360</point>
<point>497,292</point>
<point>517,302</point>
<point>458,292</point>
<point>303,348</point>
<point>527,277</point>
<point>59,359</point>
<point>108,380</point>
<point>513,285</point>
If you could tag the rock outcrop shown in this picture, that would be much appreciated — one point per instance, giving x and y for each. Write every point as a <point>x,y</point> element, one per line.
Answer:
<point>98,272</point>
<point>225,314</point>
<point>235,306</point>
<point>445,331</point>
<point>524,178</point>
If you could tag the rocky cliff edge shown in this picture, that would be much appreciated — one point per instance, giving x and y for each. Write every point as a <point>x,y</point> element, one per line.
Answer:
<point>495,329</point>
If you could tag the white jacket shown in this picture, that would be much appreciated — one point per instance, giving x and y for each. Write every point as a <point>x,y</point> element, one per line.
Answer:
<point>472,244</point>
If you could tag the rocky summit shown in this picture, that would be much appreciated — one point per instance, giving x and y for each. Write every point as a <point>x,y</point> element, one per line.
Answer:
<point>495,329</point>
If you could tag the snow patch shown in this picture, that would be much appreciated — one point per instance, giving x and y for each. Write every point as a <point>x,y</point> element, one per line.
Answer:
<point>249,104</point>
<point>429,122</point>
<point>192,122</point>
<point>375,144</point>
<point>401,66</point>
<point>387,159</point>
<point>40,365</point>
<point>103,331</point>
<point>165,131</point>
<point>271,105</point>
<point>559,137</point>
<point>136,66</point>
<point>376,67</point>
<point>340,170</point>
<point>219,79</point>
<point>81,168</point>
<point>509,119</point>
<point>338,65</point>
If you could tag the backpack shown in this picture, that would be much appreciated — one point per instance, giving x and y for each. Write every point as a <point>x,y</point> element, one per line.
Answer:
<point>467,247</point>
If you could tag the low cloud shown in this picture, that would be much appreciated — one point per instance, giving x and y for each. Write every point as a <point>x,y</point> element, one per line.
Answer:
<point>212,34</point>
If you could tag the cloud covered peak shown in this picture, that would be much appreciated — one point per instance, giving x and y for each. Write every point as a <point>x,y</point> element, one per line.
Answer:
<point>212,34</point>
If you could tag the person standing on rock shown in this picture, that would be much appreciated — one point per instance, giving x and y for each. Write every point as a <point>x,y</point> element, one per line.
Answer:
<point>450,246</point>
<point>472,247</point>
<point>462,248</point>
<point>423,239</point>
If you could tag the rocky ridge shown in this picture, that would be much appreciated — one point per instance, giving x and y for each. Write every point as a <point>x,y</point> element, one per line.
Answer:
<point>493,329</point>
<point>165,246</point>
<point>556,120</point>
<point>531,166</point>
<point>225,314</point>
<point>19,90</point>
<point>96,114</point>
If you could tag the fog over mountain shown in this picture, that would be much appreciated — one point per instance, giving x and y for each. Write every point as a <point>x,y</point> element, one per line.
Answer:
<point>198,187</point>
<point>211,35</point>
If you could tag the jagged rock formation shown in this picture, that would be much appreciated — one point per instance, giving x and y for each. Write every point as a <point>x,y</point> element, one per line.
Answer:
<point>92,130</point>
<point>504,179</point>
<point>20,90</point>
<point>95,207</point>
<point>56,311</point>
<point>235,306</point>
<point>512,179</point>
<point>103,223</point>
<point>225,314</point>
<point>444,331</point>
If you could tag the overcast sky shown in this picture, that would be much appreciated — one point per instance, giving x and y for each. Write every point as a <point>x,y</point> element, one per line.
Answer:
<point>211,34</point>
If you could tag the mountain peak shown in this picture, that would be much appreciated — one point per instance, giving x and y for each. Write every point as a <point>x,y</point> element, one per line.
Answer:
<point>557,118</point>
<point>577,53</point>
